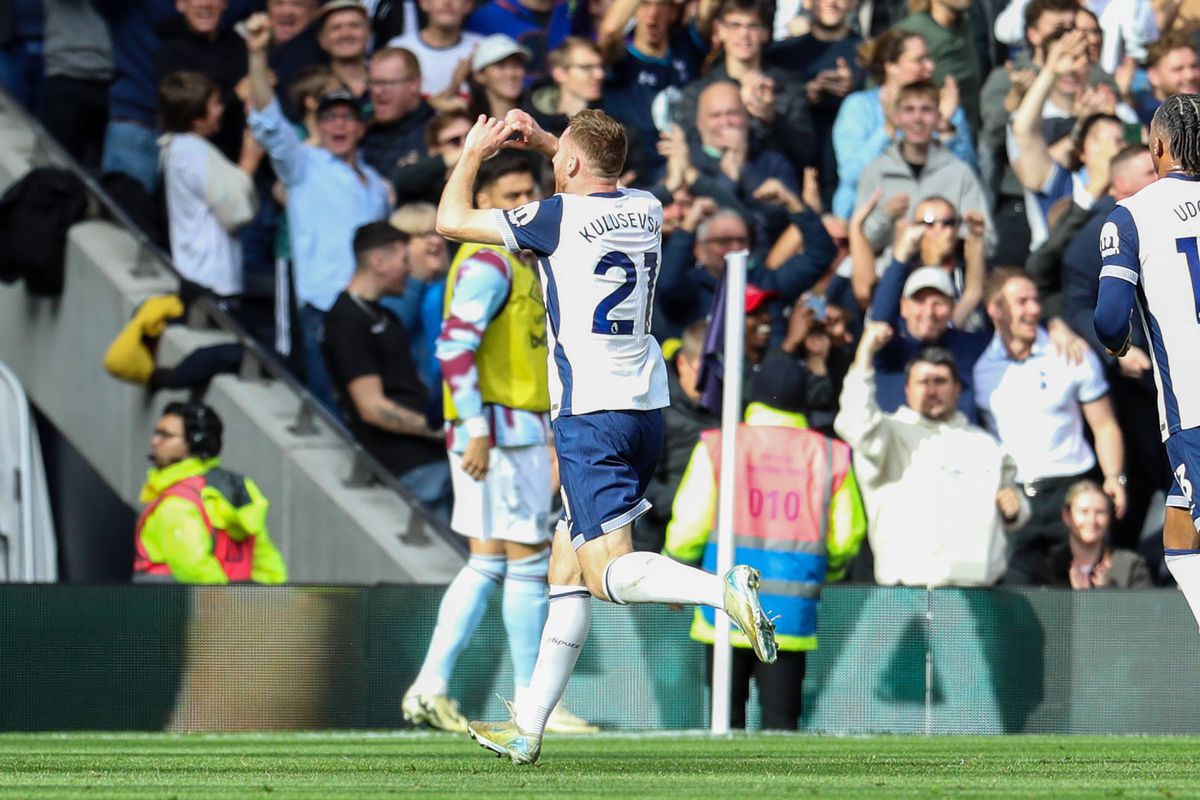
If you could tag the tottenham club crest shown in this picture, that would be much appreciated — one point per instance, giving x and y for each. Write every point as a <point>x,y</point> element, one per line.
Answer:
<point>1109,240</point>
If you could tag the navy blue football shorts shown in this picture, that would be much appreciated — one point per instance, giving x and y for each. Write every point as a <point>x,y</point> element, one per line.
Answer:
<point>605,462</point>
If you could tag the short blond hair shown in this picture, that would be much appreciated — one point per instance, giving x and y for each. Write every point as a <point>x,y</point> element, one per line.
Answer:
<point>415,219</point>
<point>601,141</point>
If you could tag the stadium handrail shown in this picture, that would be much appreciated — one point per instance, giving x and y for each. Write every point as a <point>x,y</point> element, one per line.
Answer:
<point>257,362</point>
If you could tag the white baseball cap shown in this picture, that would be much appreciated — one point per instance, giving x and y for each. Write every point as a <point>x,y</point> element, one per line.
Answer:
<point>929,278</point>
<point>494,49</point>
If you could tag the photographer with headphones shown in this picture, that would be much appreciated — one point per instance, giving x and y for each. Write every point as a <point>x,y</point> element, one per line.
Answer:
<point>202,523</point>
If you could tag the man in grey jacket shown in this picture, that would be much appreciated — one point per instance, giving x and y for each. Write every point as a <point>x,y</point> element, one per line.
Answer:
<point>917,167</point>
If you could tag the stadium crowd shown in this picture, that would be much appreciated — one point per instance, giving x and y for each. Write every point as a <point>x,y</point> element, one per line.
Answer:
<point>921,188</point>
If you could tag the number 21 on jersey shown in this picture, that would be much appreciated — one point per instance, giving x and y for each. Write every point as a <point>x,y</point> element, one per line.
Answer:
<point>602,321</point>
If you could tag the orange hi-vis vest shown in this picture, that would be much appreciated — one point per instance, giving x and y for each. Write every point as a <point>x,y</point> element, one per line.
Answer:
<point>235,557</point>
<point>786,479</point>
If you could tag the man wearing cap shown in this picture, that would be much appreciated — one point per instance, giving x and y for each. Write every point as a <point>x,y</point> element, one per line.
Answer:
<point>399,116</point>
<point>344,32</point>
<point>498,65</point>
<point>331,192</point>
<point>939,491</point>
<point>798,518</point>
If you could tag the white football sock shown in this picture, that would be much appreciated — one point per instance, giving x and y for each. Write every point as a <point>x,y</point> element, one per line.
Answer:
<point>462,607</point>
<point>566,631</point>
<point>524,610</point>
<point>653,578</point>
<point>1185,566</point>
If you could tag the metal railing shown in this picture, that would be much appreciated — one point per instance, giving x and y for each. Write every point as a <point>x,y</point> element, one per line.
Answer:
<point>258,363</point>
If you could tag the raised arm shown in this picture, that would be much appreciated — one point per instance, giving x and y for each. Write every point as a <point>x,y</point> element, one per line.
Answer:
<point>258,38</point>
<point>456,217</point>
<point>1033,163</point>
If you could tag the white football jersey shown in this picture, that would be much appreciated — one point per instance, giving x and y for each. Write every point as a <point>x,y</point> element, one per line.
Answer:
<point>599,258</point>
<point>1152,240</point>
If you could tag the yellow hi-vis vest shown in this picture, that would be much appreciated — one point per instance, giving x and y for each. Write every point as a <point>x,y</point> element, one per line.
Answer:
<point>511,359</point>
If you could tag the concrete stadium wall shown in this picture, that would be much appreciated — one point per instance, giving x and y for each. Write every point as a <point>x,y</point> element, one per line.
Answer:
<point>327,531</point>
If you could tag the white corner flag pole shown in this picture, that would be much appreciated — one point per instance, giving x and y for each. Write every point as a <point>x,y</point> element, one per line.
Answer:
<point>731,417</point>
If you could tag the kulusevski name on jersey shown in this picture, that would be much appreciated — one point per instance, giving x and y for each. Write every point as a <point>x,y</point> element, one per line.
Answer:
<point>1151,256</point>
<point>609,223</point>
<point>599,257</point>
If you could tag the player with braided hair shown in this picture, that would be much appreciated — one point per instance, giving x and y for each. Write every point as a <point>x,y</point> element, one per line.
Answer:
<point>1150,246</point>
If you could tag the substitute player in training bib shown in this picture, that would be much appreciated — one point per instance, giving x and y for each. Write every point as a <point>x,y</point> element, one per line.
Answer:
<point>598,248</point>
<point>1150,247</point>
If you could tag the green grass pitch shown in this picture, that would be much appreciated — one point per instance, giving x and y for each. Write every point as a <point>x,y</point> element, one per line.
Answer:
<point>331,766</point>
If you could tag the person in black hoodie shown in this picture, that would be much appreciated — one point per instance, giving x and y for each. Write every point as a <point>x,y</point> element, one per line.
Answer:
<point>196,41</point>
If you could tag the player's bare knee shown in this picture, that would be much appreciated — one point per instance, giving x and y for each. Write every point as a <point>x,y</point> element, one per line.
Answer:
<point>595,584</point>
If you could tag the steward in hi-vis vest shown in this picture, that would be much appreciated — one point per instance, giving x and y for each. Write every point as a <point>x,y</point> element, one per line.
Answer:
<point>798,519</point>
<point>204,524</point>
<point>201,524</point>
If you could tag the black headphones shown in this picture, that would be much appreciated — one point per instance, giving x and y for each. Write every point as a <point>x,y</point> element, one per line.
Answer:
<point>202,428</point>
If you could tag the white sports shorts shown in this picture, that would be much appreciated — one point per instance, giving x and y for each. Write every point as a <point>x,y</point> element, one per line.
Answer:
<point>512,503</point>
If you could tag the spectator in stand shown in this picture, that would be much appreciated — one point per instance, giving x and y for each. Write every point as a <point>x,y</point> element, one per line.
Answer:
<point>424,179</point>
<point>781,468</point>
<point>1045,263</point>
<point>945,25</point>
<point>195,41</point>
<point>999,98</point>
<point>208,197</point>
<point>1050,169</point>
<point>683,422</point>
<point>202,523</point>
<point>421,306</point>
<point>917,167</point>
<point>21,52</point>
<point>396,135</point>
<point>443,49</point>
<point>780,118</point>
<point>826,60</point>
<point>371,364</point>
<point>926,462</point>
<point>1171,68</point>
<point>294,45</point>
<point>648,70</point>
<point>816,337</point>
<point>577,82</point>
<point>1131,378</point>
<point>1036,402</point>
<point>919,306</point>
<point>79,68</point>
<point>1087,560</point>
<point>931,239</point>
<point>866,122</point>
<point>537,25</point>
<point>344,34</point>
<point>726,150</point>
<point>694,258</point>
<point>330,192</point>
<point>130,137</point>
<point>498,73</point>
